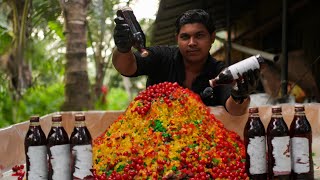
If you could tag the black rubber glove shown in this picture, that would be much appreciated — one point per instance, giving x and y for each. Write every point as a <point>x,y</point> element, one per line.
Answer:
<point>207,93</point>
<point>246,85</point>
<point>122,35</point>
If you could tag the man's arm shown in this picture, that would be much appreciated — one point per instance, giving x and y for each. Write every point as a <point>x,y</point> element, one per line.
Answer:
<point>125,63</point>
<point>123,59</point>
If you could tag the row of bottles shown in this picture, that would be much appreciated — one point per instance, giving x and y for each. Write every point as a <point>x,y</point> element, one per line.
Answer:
<point>49,158</point>
<point>279,153</point>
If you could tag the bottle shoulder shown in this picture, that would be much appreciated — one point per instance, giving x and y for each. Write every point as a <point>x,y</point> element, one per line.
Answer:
<point>35,137</point>
<point>57,136</point>
<point>300,127</point>
<point>277,127</point>
<point>254,127</point>
<point>80,136</point>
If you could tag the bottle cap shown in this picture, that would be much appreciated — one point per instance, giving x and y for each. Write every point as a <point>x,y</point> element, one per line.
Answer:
<point>34,118</point>
<point>57,118</point>
<point>276,109</point>
<point>79,117</point>
<point>125,8</point>
<point>259,58</point>
<point>298,107</point>
<point>212,82</point>
<point>253,110</point>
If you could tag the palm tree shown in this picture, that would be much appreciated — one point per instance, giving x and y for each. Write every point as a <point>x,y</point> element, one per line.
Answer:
<point>77,95</point>
<point>13,61</point>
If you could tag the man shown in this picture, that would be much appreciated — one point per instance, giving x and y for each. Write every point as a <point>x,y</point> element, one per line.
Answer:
<point>189,64</point>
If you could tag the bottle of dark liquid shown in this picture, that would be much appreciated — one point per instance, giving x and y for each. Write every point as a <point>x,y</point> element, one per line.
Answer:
<point>59,151</point>
<point>137,35</point>
<point>255,143</point>
<point>35,144</point>
<point>81,148</point>
<point>235,71</point>
<point>301,145</point>
<point>278,140</point>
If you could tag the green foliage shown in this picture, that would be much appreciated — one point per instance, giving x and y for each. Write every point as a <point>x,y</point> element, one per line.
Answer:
<point>44,12</point>
<point>44,99</point>
<point>6,40</point>
<point>5,29</point>
<point>45,54</point>
<point>40,100</point>
<point>47,66</point>
<point>57,28</point>
<point>117,99</point>
<point>6,104</point>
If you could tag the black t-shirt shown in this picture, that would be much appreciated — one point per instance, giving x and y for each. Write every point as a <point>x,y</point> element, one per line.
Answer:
<point>165,63</point>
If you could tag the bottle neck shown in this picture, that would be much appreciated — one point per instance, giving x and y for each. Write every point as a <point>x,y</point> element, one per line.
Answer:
<point>277,115</point>
<point>34,124</point>
<point>254,115</point>
<point>300,113</point>
<point>260,59</point>
<point>79,124</point>
<point>56,124</point>
<point>213,82</point>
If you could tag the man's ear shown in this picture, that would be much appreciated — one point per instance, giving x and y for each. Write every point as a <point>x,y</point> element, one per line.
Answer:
<point>176,37</point>
<point>213,37</point>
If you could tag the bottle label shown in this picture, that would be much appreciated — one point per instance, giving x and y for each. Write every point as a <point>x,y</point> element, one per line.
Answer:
<point>257,152</point>
<point>83,160</point>
<point>60,161</point>
<point>243,66</point>
<point>281,154</point>
<point>300,155</point>
<point>38,162</point>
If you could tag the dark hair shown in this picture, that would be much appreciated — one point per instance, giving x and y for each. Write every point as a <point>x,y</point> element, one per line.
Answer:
<point>195,16</point>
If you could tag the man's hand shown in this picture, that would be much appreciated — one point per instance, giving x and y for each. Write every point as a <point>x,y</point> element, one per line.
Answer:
<point>245,86</point>
<point>122,35</point>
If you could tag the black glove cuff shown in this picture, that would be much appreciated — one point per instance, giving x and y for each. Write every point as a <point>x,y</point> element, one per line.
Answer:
<point>239,100</point>
<point>123,50</point>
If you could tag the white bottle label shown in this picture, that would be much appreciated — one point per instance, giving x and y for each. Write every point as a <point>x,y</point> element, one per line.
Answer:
<point>243,66</point>
<point>300,155</point>
<point>38,162</point>
<point>281,154</point>
<point>60,162</point>
<point>257,152</point>
<point>83,160</point>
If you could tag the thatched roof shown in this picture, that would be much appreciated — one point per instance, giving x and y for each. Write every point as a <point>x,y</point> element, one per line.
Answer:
<point>164,28</point>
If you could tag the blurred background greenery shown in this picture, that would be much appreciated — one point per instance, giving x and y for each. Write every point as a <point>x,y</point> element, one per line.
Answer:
<point>33,59</point>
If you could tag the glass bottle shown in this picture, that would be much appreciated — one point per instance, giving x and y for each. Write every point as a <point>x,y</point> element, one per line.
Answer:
<point>35,144</point>
<point>81,149</point>
<point>301,145</point>
<point>235,71</point>
<point>59,151</point>
<point>137,35</point>
<point>278,140</point>
<point>255,143</point>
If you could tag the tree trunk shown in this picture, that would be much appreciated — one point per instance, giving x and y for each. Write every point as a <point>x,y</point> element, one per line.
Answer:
<point>77,96</point>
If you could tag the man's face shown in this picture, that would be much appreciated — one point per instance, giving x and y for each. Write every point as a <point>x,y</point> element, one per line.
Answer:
<point>194,42</point>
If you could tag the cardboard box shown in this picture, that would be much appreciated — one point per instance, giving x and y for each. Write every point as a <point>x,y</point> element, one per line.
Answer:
<point>12,138</point>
